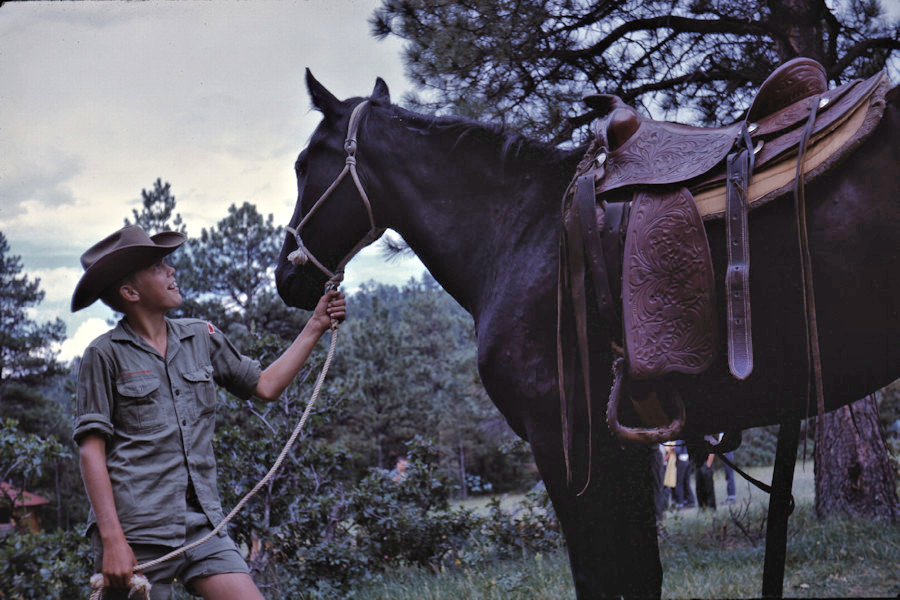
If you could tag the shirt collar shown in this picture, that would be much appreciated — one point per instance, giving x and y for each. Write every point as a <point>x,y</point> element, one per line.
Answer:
<point>124,333</point>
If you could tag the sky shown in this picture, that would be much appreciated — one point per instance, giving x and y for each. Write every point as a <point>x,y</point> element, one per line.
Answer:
<point>99,99</point>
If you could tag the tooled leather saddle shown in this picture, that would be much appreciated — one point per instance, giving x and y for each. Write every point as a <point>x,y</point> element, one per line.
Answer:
<point>633,237</point>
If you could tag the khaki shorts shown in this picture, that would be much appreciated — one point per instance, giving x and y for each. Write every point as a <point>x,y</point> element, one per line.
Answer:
<point>215,556</point>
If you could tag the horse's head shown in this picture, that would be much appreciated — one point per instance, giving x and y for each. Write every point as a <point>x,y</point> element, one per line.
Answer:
<point>333,218</point>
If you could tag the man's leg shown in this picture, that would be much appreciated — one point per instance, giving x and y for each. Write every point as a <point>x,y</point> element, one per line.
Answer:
<point>227,586</point>
<point>730,490</point>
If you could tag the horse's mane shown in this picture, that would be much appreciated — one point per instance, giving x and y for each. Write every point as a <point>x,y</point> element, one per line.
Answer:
<point>462,131</point>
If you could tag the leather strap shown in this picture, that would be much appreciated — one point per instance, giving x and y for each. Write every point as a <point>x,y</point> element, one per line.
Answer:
<point>585,202</point>
<point>615,224</point>
<point>737,276</point>
<point>814,357</point>
<point>581,249</point>
<point>572,277</point>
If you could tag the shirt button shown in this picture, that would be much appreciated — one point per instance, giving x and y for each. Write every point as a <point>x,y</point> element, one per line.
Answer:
<point>184,421</point>
<point>177,392</point>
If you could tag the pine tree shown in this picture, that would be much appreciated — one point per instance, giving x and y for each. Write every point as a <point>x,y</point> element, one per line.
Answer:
<point>157,207</point>
<point>28,349</point>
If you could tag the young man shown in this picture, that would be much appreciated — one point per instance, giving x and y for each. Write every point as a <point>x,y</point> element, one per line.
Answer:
<point>145,418</point>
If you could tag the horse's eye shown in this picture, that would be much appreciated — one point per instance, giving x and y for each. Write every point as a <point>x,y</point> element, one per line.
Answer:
<point>300,165</point>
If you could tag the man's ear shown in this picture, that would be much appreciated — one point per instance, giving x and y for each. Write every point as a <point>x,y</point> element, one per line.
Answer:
<point>129,293</point>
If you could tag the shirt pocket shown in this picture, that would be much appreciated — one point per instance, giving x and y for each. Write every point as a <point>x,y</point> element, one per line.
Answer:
<point>138,407</point>
<point>201,383</point>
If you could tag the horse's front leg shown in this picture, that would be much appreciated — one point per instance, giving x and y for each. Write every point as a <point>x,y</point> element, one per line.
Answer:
<point>610,528</point>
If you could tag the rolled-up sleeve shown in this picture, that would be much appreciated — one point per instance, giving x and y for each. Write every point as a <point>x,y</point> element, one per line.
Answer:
<point>94,396</point>
<point>233,371</point>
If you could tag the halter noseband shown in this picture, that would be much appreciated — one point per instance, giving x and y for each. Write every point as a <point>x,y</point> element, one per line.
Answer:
<point>302,255</point>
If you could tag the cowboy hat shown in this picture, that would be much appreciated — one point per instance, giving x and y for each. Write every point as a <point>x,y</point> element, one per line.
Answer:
<point>117,255</point>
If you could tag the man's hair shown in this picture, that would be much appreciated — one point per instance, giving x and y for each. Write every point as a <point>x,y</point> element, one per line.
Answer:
<point>111,296</point>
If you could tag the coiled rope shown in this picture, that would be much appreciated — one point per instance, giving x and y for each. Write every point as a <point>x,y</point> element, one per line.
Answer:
<point>139,584</point>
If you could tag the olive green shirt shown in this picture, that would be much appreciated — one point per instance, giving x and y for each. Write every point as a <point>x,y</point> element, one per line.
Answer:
<point>158,416</point>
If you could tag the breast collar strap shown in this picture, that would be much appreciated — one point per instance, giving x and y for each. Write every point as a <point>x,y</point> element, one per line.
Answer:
<point>302,254</point>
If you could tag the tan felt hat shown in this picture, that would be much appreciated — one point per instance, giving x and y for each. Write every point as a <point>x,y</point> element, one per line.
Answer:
<point>114,257</point>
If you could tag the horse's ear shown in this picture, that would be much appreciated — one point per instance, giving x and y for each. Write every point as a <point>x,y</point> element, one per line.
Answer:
<point>322,99</point>
<point>381,93</point>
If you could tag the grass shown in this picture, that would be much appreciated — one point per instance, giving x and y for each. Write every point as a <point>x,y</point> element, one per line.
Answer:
<point>704,555</point>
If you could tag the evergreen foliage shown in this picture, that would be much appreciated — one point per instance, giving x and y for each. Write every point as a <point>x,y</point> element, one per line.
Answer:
<point>528,64</point>
<point>27,349</point>
<point>157,206</point>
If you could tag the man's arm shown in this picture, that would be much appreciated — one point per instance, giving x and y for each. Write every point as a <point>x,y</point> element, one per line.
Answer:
<point>280,373</point>
<point>118,557</point>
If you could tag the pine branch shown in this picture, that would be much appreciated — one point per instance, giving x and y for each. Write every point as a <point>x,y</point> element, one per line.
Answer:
<point>673,23</point>
<point>860,49</point>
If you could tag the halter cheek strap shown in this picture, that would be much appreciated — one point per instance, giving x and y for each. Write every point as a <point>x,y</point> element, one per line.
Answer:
<point>302,254</point>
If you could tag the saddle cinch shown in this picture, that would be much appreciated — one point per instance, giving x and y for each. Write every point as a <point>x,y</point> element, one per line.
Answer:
<point>633,227</point>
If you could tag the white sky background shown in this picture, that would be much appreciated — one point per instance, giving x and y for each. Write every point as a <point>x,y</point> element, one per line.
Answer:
<point>98,99</point>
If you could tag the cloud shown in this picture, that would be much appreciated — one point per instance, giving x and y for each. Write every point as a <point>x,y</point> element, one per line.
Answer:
<point>371,265</point>
<point>891,9</point>
<point>36,174</point>
<point>86,333</point>
<point>58,283</point>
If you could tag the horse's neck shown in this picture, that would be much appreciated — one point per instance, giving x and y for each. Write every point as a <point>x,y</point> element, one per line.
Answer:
<point>474,228</point>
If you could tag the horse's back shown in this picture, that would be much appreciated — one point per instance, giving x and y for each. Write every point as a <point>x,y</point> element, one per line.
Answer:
<point>854,228</point>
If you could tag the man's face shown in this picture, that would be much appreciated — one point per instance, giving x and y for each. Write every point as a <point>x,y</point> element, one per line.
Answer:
<point>157,287</point>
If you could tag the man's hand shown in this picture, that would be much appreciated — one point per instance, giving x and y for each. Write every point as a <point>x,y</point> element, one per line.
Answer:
<point>118,563</point>
<point>279,374</point>
<point>332,305</point>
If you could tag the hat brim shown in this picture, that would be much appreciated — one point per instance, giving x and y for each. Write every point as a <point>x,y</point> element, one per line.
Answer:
<point>119,263</point>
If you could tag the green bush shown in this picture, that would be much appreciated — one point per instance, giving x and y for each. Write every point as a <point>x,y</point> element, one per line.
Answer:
<point>327,537</point>
<point>49,566</point>
<point>409,521</point>
<point>532,528</point>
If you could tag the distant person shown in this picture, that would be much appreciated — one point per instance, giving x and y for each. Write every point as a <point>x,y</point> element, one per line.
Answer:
<point>706,493</point>
<point>657,473</point>
<point>398,474</point>
<point>670,480</point>
<point>145,415</point>
<point>730,490</point>
<point>684,493</point>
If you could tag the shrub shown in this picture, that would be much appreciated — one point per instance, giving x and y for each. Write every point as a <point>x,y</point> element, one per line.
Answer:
<point>409,521</point>
<point>51,566</point>
<point>531,528</point>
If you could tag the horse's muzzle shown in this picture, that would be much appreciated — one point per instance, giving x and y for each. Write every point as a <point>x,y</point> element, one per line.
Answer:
<point>300,287</point>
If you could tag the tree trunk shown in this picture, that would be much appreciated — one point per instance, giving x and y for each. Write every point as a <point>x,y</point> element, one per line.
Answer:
<point>462,469</point>
<point>800,27</point>
<point>853,472</point>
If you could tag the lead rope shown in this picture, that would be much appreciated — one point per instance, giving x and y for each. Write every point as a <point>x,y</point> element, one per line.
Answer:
<point>139,584</point>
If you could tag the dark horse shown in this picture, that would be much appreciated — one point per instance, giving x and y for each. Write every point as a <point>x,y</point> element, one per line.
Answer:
<point>481,209</point>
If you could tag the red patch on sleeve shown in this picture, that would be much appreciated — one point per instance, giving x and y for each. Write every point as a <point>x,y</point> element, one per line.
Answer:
<point>209,326</point>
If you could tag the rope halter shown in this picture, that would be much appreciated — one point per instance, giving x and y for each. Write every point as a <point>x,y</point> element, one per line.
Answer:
<point>302,254</point>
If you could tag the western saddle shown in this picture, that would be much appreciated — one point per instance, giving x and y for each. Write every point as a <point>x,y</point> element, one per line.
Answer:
<point>633,227</point>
